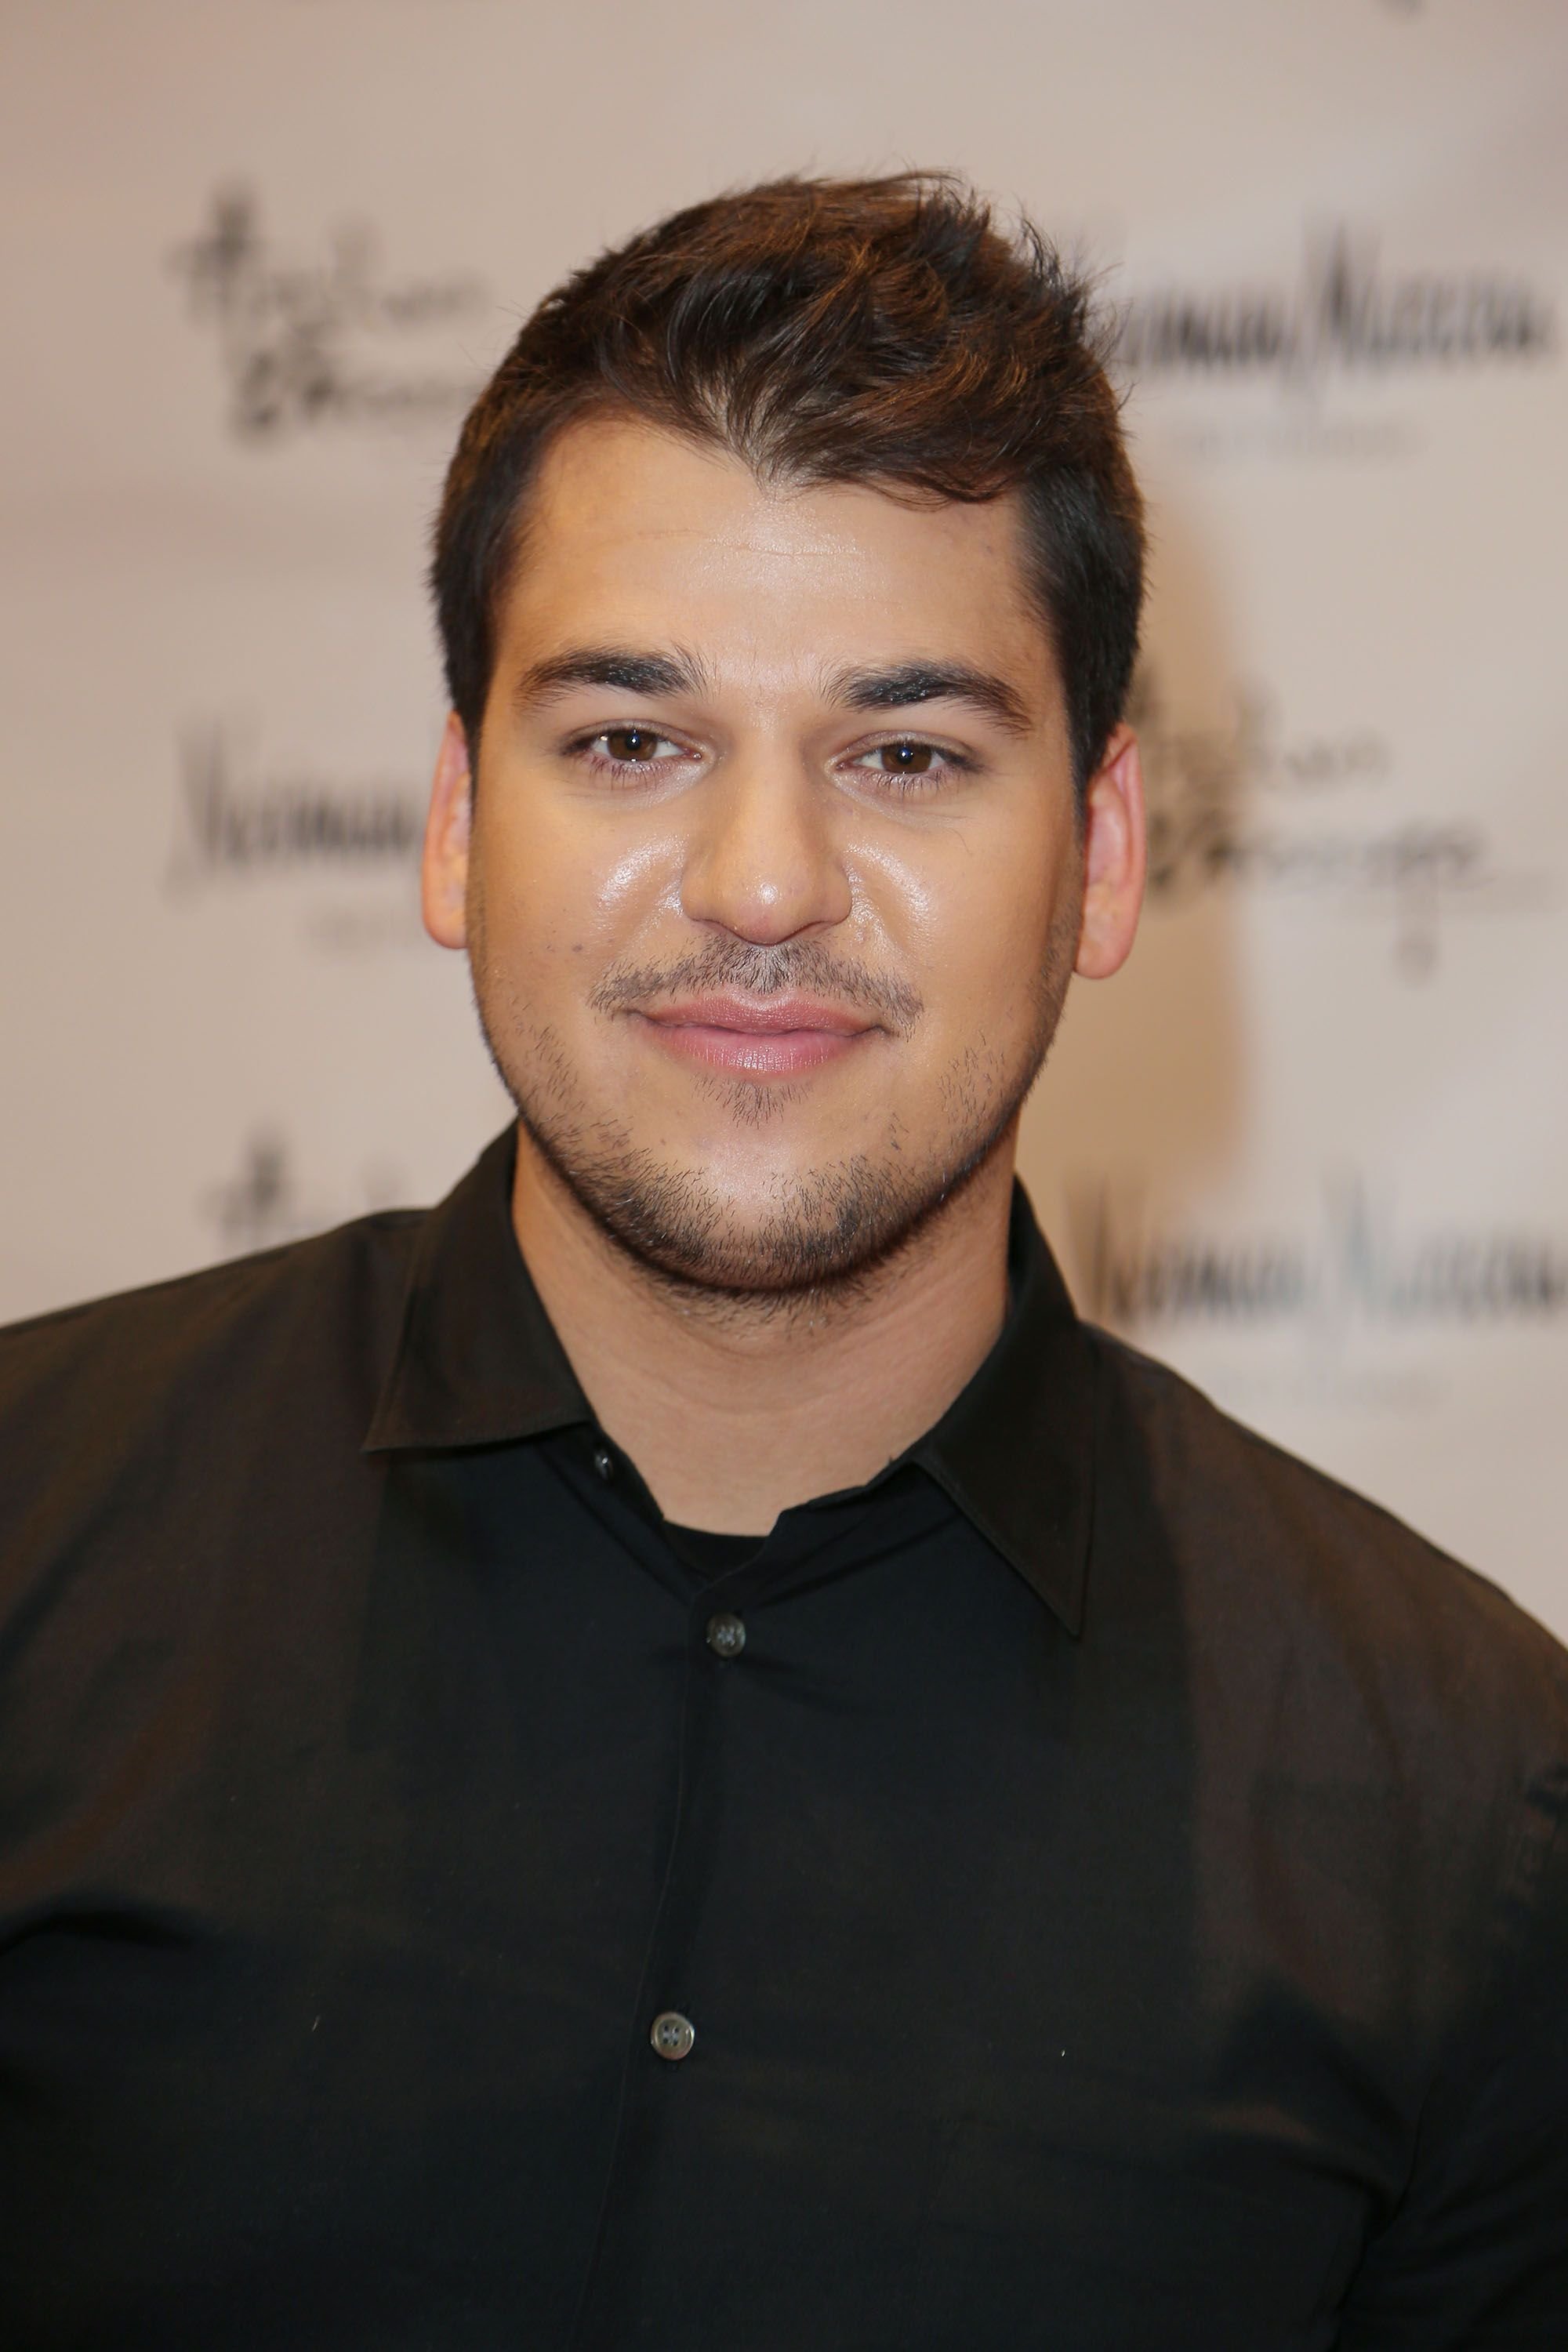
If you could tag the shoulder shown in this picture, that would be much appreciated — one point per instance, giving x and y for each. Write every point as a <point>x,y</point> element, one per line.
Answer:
<point>191,1308</point>
<point>1285,1541</point>
<point>175,1352</point>
<point>1381,1723</point>
<point>1326,1606</point>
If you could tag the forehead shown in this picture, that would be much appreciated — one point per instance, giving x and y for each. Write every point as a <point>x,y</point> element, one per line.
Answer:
<point>638,535</point>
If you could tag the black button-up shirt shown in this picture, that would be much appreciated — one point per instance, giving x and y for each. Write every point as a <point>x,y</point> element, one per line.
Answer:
<point>1099,1885</point>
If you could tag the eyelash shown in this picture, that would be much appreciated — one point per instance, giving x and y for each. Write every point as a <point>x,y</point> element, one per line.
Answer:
<point>905,786</point>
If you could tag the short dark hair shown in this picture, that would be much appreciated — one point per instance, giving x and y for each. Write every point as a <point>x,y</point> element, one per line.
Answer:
<point>887,331</point>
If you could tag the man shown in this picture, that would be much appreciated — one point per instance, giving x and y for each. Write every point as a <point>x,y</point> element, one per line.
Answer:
<point>673,1753</point>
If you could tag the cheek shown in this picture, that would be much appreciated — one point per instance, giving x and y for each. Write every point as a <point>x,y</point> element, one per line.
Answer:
<point>970,920</point>
<point>902,895</point>
<point>557,888</point>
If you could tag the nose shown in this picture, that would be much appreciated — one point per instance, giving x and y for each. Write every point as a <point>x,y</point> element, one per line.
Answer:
<point>763,862</point>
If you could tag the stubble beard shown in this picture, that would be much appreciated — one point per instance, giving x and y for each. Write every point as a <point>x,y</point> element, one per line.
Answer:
<point>827,1231</point>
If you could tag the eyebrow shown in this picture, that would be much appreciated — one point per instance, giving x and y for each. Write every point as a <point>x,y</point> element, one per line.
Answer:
<point>900,686</point>
<point>905,684</point>
<point>622,666</point>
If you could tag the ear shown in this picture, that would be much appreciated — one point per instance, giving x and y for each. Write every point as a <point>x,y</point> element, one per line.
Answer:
<point>1115,859</point>
<point>448,831</point>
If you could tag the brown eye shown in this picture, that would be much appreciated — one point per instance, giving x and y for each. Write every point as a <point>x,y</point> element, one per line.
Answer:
<point>912,761</point>
<point>633,744</point>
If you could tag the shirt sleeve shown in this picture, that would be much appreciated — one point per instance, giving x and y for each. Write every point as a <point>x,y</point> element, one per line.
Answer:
<point>1474,2256</point>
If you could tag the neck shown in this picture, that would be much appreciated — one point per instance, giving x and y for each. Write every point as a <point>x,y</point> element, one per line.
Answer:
<point>731,1416</point>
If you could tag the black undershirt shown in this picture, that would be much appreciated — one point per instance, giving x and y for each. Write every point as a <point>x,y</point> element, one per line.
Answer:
<point>709,1554</point>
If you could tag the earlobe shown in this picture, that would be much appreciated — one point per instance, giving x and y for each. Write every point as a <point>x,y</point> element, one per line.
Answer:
<point>448,828</point>
<point>1115,859</point>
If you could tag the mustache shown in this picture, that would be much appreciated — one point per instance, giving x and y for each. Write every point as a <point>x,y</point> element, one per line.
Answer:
<point>744,967</point>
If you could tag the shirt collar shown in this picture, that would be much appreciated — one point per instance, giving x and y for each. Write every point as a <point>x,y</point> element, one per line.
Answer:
<point>1015,1449</point>
<point>478,1362</point>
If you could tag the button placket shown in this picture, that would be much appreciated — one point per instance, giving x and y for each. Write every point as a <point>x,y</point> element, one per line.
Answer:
<point>668,2035</point>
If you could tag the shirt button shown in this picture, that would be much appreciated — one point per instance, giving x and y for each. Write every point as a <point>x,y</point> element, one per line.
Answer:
<point>605,1462</point>
<point>672,2035</point>
<point>726,1635</point>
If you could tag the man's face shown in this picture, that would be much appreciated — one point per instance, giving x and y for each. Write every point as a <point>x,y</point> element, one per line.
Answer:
<point>774,886</point>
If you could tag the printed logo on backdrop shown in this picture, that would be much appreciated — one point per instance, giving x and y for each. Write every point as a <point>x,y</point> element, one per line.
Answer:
<point>1348,320</point>
<point>1334,1283</point>
<point>1244,807</point>
<point>265,1201</point>
<point>329,337</point>
<point>245,820</point>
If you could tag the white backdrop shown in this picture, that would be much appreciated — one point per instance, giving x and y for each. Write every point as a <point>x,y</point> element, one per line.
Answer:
<point>1311,1146</point>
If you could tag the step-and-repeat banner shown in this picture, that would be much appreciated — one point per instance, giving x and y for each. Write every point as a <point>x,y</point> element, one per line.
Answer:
<point>1311,1146</point>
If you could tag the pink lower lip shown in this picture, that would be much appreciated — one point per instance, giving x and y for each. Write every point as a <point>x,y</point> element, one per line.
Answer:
<point>755,1053</point>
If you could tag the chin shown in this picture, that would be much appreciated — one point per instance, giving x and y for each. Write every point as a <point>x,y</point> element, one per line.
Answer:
<point>736,1213</point>
<point>805,1229</point>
